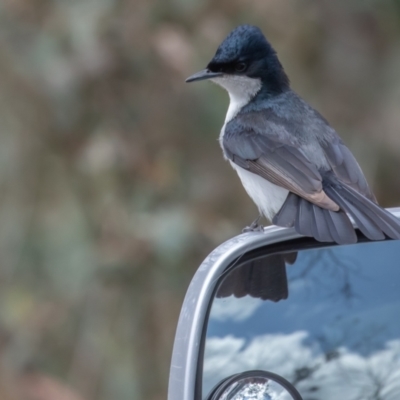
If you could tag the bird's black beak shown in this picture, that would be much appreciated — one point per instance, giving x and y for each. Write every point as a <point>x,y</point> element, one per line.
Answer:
<point>204,74</point>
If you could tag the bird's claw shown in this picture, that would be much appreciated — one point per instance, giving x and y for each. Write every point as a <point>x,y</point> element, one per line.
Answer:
<point>254,226</point>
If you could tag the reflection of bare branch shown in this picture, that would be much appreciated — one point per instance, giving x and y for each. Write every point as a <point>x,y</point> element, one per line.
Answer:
<point>373,379</point>
<point>339,269</point>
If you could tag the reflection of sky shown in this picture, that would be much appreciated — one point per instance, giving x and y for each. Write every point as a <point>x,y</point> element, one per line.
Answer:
<point>235,309</point>
<point>348,294</point>
<point>341,320</point>
<point>347,376</point>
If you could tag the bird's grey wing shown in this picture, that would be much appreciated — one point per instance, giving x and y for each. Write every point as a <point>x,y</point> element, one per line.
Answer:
<point>345,166</point>
<point>275,159</point>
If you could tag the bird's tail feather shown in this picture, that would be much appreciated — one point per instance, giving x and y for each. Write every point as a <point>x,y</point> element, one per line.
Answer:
<point>311,220</point>
<point>330,226</point>
<point>373,221</point>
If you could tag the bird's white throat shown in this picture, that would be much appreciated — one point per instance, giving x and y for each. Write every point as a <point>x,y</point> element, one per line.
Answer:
<point>241,90</point>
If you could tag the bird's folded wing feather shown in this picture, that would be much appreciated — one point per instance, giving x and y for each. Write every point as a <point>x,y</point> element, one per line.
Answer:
<point>277,160</point>
<point>345,167</point>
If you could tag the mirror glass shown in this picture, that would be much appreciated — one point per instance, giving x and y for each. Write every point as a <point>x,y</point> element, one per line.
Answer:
<point>327,320</point>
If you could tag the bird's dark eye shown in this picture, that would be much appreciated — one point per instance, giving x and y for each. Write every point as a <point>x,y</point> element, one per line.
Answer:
<point>240,66</point>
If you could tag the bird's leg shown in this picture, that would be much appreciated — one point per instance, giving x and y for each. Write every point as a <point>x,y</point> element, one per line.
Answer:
<point>254,226</point>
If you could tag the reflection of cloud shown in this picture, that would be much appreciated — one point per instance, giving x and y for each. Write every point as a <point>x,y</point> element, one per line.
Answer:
<point>277,353</point>
<point>346,375</point>
<point>366,378</point>
<point>239,308</point>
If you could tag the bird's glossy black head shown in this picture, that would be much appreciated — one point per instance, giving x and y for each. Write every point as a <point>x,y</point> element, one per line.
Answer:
<point>246,52</point>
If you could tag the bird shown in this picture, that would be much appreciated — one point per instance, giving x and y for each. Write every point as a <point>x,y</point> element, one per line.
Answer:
<point>291,162</point>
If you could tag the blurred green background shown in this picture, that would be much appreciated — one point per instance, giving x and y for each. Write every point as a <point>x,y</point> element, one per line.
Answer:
<point>113,187</point>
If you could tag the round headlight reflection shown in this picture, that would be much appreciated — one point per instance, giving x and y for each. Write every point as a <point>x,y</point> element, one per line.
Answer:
<point>255,385</point>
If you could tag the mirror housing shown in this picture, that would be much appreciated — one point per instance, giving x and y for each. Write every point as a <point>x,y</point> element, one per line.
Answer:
<point>186,364</point>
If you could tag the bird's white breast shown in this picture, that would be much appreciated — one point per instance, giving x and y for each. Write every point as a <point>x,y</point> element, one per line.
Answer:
<point>268,197</point>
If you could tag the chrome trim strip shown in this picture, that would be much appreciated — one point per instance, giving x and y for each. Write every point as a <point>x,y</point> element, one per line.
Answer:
<point>185,353</point>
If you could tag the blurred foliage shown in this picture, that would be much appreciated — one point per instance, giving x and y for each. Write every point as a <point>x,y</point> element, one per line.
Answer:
<point>113,184</point>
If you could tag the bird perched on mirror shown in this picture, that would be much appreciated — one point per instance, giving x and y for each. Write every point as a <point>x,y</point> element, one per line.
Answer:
<point>291,162</point>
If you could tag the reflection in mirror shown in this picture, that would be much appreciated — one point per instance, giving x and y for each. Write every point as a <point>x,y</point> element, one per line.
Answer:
<point>329,322</point>
<point>254,385</point>
<point>264,278</point>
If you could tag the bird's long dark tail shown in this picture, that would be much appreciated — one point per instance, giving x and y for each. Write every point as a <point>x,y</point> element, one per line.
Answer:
<point>330,226</point>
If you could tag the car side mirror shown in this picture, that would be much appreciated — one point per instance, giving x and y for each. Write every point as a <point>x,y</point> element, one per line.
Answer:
<point>277,316</point>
